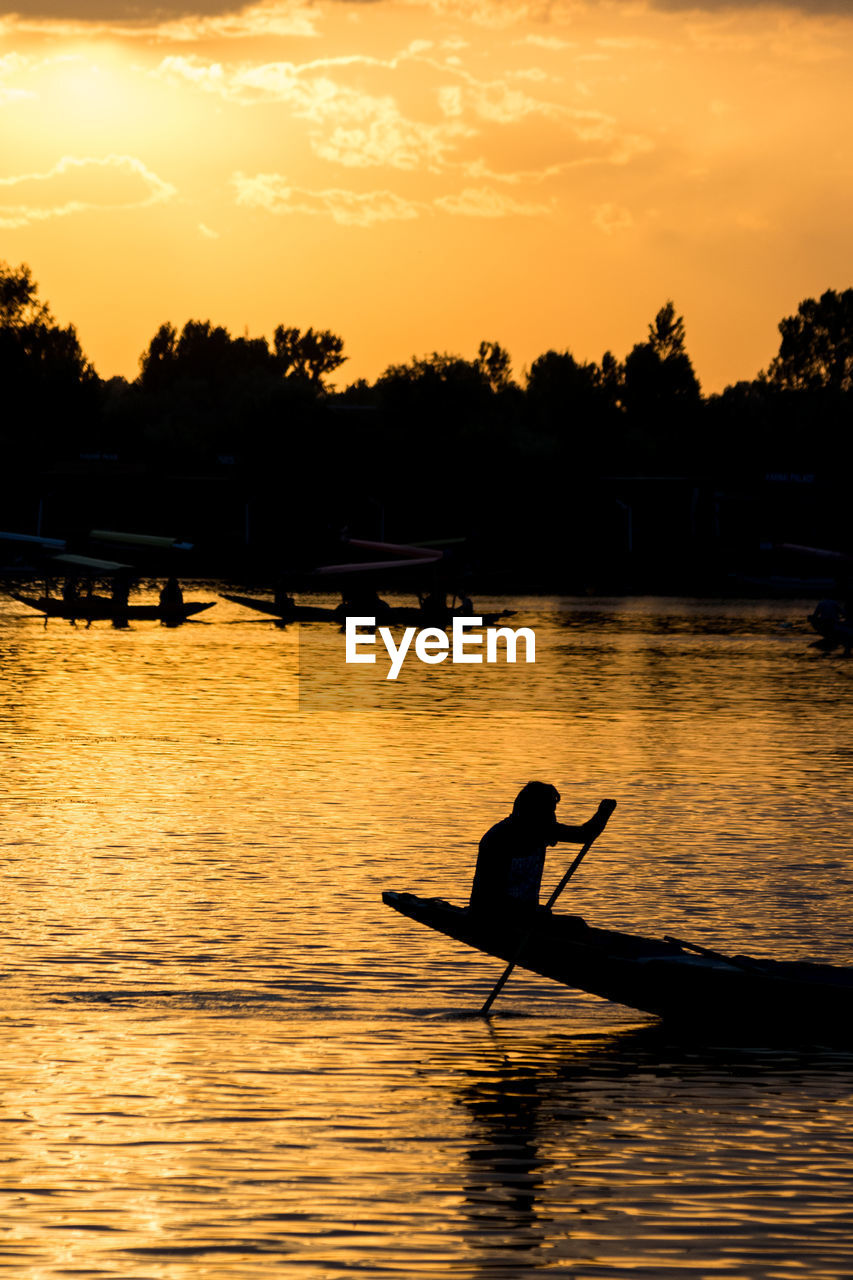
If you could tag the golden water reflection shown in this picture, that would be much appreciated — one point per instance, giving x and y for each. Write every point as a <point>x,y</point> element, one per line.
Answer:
<point>224,1057</point>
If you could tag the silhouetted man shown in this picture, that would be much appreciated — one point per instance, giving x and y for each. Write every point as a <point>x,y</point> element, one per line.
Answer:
<point>511,858</point>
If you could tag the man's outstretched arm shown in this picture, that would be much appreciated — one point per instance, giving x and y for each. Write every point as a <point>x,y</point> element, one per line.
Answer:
<point>588,830</point>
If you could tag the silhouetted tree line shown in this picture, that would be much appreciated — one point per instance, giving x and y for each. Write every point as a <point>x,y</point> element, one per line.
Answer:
<point>440,444</point>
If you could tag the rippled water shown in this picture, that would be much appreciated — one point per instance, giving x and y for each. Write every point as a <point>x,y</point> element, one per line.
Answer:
<point>223,1057</point>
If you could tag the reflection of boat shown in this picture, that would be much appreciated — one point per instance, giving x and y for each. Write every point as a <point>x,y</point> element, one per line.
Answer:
<point>91,608</point>
<point>703,991</point>
<point>394,615</point>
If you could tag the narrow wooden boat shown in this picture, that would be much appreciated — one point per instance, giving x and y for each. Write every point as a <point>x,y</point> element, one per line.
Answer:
<point>296,613</point>
<point>395,615</point>
<point>690,986</point>
<point>92,608</point>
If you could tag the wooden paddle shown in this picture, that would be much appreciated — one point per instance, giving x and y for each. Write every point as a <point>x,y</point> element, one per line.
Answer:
<point>604,811</point>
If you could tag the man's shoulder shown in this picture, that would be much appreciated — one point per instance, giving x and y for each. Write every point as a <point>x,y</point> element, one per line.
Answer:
<point>499,834</point>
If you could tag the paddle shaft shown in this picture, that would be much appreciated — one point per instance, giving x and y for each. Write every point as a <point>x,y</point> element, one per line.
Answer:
<point>605,808</point>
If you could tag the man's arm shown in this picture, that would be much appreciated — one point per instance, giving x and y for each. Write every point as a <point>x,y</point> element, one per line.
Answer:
<point>588,831</point>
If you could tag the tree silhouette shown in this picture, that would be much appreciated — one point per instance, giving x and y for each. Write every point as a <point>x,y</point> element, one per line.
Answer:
<point>658,375</point>
<point>559,386</point>
<point>312,355</point>
<point>32,344</point>
<point>438,380</point>
<point>49,387</point>
<point>19,305</point>
<point>666,333</point>
<point>202,353</point>
<point>661,395</point>
<point>495,365</point>
<point>816,351</point>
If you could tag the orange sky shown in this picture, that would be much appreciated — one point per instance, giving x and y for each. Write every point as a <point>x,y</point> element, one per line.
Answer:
<point>421,176</point>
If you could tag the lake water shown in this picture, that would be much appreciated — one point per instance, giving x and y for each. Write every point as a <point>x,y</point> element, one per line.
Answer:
<point>224,1058</point>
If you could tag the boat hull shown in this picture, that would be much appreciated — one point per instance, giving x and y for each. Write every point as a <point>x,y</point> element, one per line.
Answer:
<point>92,608</point>
<point>298,613</point>
<point>657,977</point>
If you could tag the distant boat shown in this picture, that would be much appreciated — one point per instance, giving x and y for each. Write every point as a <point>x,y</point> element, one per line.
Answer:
<point>401,615</point>
<point>682,984</point>
<point>292,613</point>
<point>92,608</point>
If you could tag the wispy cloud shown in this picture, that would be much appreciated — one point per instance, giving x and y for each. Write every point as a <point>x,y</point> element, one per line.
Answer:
<point>13,64</point>
<point>497,101</point>
<point>77,184</point>
<point>394,141</point>
<point>497,14</point>
<point>358,129</point>
<point>311,97</point>
<point>485,202</point>
<point>272,192</point>
<point>555,43</point>
<point>352,127</point>
<point>181,21</point>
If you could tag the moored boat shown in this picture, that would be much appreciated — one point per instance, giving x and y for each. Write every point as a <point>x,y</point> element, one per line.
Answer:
<point>92,608</point>
<point>290,613</point>
<point>394,615</point>
<point>685,985</point>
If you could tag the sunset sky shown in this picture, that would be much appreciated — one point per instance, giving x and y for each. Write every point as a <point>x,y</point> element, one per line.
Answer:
<point>419,176</point>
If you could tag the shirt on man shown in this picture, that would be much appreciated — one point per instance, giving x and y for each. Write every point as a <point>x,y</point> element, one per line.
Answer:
<point>510,863</point>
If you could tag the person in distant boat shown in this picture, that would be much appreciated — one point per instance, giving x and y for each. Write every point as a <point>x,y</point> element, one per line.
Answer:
<point>363,602</point>
<point>434,607</point>
<point>284,603</point>
<point>833,625</point>
<point>71,590</point>
<point>121,590</point>
<point>826,617</point>
<point>171,597</point>
<point>511,856</point>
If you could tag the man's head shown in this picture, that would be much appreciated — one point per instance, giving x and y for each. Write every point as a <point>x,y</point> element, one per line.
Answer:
<point>536,802</point>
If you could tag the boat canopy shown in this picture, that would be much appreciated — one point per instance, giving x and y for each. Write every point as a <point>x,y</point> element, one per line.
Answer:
<point>34,539</point>
<point>89,563</point>
<point>139,539</point>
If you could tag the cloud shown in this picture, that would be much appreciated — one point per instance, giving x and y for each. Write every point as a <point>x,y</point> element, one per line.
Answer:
<point>9,95</point>
<point>484,202</point>
<point>497,14</point>
<point>12,64</point>
<point>120,11</point>
<point>272,192</point>
<point>352,127</point>
<point>358,129</point>
<point>79,185</point>
<point>177,20</point>
<point>311,97</point>
<point>548,42</point>
<point>498,102</point>
<point>191,20</point>
<point>392,140</point>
